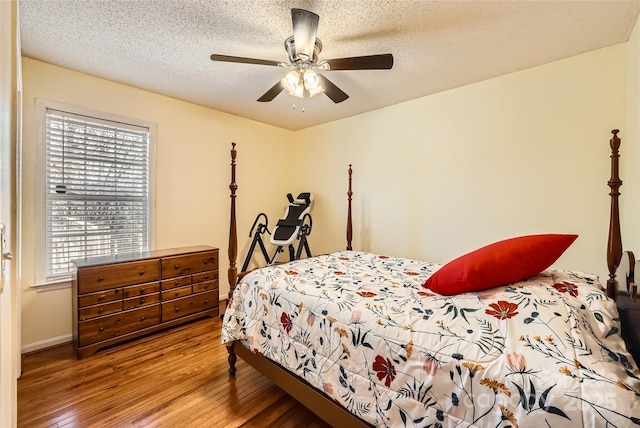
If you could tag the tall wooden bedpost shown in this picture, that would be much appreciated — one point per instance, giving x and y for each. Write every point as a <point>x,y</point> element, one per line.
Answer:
<point>614,244</point>
<point>349,223</point>
<point>232,274</point>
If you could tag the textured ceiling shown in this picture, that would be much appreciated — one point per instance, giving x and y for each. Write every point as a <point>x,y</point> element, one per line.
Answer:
<point>164,46</point>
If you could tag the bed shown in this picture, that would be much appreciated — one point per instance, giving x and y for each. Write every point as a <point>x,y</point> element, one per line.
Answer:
<point>358,339</point>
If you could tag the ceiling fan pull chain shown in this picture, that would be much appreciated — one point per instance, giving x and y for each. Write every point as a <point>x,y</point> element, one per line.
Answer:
<point>303,108</point>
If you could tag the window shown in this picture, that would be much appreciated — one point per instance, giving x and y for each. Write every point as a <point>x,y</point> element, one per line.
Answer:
<point>96,191</point>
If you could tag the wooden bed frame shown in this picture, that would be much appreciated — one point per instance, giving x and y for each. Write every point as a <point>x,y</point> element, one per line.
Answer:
<point>317,401</point>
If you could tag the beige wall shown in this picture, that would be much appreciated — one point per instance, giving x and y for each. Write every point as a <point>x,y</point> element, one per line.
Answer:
<point>442,175</point>
<point>631,162</point>
<point>433,178</point>
<point>192,170</point>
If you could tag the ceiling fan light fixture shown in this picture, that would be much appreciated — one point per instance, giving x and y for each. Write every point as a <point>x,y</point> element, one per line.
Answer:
<point>299,91</point>
<point>311,79</point>
<point>315,91</point>
<point>312,83</point>
<point>290,81</point>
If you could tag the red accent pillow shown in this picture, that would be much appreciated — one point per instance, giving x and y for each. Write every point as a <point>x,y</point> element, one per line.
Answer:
<point>500,263</point>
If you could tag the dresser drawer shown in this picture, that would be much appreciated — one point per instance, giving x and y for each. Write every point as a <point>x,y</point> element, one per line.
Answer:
<point>204,276</point>
<point>189,263</point>
<point>176,292</point>
<point>189,305</point>
<point>180,281</point>
<point>201,287</point>
<point>139,301</point>
<point>110,326</point>
<point>140,290</point>
<point>99,297</point>
<point>102,277</point>
<point>99,310</point>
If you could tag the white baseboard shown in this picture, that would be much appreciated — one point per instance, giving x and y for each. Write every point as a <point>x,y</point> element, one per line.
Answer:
<point>48,343</point>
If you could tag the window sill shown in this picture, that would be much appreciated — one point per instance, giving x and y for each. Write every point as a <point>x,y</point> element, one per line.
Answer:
<point>51,285</point>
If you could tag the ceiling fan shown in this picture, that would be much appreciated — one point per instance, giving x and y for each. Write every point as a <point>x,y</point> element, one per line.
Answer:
<point>303,49</point>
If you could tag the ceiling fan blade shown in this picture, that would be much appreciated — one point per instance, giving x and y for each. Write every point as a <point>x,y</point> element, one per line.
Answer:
<point>305,28</point>
<point>271,93</point>
<point>336,94</point>
<point>368,62</point>
<point>243,60</point>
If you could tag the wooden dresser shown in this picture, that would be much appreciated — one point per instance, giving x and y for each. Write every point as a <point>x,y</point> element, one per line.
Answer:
<point>126,296</point>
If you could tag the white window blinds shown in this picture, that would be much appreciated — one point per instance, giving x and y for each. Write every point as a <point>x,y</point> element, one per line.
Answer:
<point>97,189</point>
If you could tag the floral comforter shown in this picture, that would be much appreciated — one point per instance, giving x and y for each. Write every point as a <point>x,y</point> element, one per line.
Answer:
<point>545,352</point>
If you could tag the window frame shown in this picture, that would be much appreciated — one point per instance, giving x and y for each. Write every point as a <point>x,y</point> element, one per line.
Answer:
<point>42,283</point>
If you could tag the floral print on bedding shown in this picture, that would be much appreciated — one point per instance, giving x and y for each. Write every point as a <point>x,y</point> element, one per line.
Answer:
<point>545,352</point>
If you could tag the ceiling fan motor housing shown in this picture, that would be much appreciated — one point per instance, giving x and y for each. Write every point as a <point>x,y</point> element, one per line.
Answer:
<point>294,58</point>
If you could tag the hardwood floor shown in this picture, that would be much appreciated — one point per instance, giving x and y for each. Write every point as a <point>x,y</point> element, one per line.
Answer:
<point>177,378</point>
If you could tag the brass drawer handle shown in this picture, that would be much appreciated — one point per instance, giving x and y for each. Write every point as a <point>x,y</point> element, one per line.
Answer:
<point>177,266</point>
<point>142,300</point>
<point>141,272</point>
<point>206,277</point>
<point>206,301</point>
<point>101,279</point>
<point>141,318</point>
<point>177,309</point>
<point>177,293</point>
<point>101,329</point>
<point>101,297</point>
<point>206,261</point>
<point>101,310</point>
<point>142,290</point>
